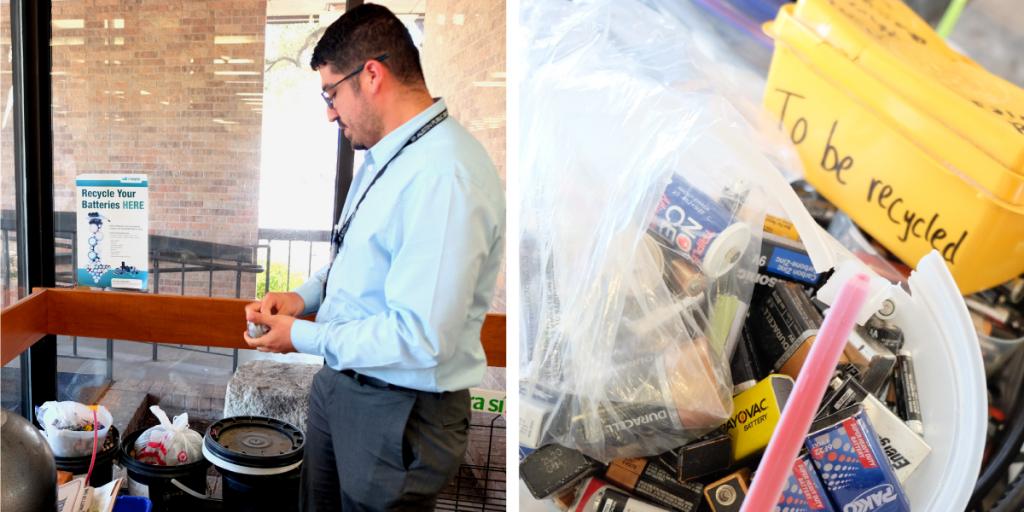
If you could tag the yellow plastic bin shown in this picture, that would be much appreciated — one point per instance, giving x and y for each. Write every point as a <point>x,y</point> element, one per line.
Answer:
<point>922,147</point>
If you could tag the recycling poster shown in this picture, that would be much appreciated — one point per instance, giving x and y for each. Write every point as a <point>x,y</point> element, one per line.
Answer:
<point>113,231</point>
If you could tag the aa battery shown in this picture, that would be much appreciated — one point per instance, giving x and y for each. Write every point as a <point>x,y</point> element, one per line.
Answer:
<point>908,402</point>
<point>804,491</point>
<point>554,468</point>
<point>649,479</point>
<point>699,228</point>
<point>727,494</point>
<point>850,461</point>
<point>784,323</point>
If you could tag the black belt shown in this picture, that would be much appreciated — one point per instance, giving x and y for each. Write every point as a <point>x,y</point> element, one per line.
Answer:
<point>366,380</point>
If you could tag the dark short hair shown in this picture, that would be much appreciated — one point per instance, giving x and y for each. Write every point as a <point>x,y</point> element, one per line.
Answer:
<point>365,32</point>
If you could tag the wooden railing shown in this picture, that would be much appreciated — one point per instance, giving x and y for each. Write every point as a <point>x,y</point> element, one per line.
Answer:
<point>200,321</point>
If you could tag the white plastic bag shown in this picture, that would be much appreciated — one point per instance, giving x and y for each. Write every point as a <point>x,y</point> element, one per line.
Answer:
<point>169,443</point>
<point>641,217</point>
<point>65,424</point>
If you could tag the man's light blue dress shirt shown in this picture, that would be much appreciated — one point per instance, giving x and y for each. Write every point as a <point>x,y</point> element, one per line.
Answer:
<point>409,289</point>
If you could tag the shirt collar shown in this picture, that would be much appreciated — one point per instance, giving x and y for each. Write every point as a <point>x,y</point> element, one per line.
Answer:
<point>386,148</point>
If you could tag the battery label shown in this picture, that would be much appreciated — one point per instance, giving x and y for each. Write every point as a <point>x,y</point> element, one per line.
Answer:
<point>860,445</point>
<point>793,265</point>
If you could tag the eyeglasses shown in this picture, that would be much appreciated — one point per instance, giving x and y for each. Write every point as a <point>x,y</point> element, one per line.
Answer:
<point>326,93</point>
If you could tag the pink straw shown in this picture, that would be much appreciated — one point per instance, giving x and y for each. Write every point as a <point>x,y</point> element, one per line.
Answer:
<point>803,403</point>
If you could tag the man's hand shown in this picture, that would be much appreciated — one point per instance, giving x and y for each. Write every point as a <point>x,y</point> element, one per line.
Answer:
<point>278,339</point>
<point>276,303</point>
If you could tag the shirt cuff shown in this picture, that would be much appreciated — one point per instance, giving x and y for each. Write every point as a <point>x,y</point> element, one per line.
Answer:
<point>304,337</point>
<point>310,292</point>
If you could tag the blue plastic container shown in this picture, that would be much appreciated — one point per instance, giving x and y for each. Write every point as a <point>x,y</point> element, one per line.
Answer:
<point>133,504</point>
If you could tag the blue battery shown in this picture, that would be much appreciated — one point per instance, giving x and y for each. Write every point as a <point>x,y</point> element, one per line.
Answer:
<point>699,228</point>
<point>804,491</point>
<point>851,463</point>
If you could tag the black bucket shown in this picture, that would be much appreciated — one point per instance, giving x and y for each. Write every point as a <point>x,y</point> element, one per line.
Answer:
<point>103,471</point>
<point>259,459</point>
<point>155,481</point>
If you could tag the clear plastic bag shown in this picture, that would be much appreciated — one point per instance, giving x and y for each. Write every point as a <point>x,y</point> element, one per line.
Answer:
<point>640,228</point>
<point>169,443</point>
<point>65,426</point>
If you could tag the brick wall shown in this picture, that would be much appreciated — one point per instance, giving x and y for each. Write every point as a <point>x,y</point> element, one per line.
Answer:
<point>464,62</point>
<point>144,87</point>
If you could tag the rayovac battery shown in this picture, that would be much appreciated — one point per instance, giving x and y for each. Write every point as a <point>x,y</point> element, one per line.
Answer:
<point>699,228</point>
<point>804,491</point>
<point>852,464</point>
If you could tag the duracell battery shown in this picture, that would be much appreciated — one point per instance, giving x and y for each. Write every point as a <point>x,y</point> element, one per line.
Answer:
<point>619,424</point>
<point>553,468</point>
<point>746,369</point>
<point>650,480</point>
<point>908,403</point>
<point>727,494</point>
<point>783,322</point>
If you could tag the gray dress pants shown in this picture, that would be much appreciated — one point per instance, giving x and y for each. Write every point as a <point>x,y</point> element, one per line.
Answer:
<point>373,446</point>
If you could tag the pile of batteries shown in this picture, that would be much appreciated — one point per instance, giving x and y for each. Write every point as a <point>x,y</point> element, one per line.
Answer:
<point>866,440</point>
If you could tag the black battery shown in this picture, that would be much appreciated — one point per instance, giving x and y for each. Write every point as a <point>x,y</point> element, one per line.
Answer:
<point>615,501</point>
<point>746,368</point>
<point>783,323</point>
<point>651,480</point>
<point>553,468</point>
<point>885,332</point>
<point>704,457</point>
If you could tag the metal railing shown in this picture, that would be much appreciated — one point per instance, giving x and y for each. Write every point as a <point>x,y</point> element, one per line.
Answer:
<point>310,239</point>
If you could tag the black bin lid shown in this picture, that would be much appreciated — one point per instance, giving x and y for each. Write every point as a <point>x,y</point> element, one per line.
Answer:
<point>263,444</point>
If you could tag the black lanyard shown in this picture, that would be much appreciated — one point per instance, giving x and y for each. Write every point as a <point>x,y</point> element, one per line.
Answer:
<point>338,234</point>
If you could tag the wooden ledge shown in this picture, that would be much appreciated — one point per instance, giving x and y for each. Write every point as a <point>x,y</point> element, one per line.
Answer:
<point>202,321</point>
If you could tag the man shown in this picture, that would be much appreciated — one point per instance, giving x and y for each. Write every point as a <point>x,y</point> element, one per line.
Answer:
<point>400,308</point>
